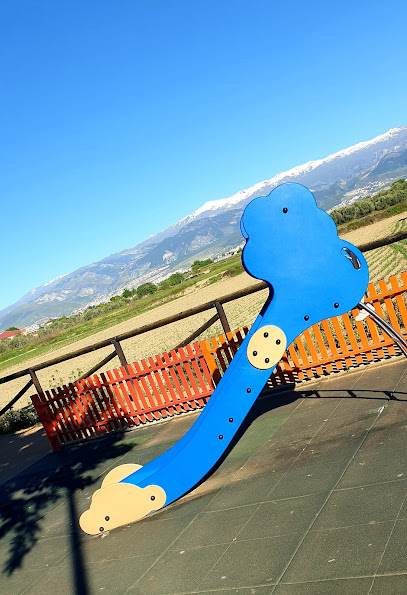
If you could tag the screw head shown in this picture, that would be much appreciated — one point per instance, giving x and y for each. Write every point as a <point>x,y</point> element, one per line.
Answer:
<point>248,390</point>
<point>153,498</point>
<point>254,352</point>
<point>231,419</point>
<point>107,518</point>
<point>101,529</point>
<point>266,335</point>
<point>336,305</point>
<point>285,210</point>
<point>306,317</point>
<point>267,360</point>
<point>278,342</point>
<point>220,437</point>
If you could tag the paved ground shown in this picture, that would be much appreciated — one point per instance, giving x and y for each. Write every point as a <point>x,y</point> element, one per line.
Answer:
<point>310,501</point>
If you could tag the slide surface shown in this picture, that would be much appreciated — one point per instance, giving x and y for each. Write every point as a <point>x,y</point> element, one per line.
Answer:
<point>312,275</point>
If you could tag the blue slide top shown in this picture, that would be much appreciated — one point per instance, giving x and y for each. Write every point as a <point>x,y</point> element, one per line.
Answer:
<point>293,246</point>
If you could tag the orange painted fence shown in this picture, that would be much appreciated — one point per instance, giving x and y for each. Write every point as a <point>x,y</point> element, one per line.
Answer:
<point>184,379</point>
<point>332,345</point>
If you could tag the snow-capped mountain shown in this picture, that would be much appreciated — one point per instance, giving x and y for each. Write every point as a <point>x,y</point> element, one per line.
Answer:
<point>212,229</point>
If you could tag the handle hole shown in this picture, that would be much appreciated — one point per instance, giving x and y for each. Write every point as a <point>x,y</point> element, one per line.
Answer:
<point>352,257</point>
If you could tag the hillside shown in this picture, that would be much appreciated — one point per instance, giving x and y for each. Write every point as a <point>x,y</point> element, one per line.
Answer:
<point>336,180</point>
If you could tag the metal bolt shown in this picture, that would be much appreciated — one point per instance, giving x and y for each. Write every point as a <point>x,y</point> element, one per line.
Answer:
<point>306,317</point>
<point>153,498</point>
<point>231,419</point>
<point>285,210</point>
<point>266,334</point>
<point>336,305</point>
<point>107,518</point>
<point>220,437</point>
<point>101,529</point>
<point>248,390</point>
<point>254,352</point>
<point>267,360</point>
<point>278,341</point>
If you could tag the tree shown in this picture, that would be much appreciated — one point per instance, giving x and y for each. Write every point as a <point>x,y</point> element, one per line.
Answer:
<point>12,328</point>
<point>199,264</point>
<point>399,183</point>
<point>146,289</point>
<point>173,280</point>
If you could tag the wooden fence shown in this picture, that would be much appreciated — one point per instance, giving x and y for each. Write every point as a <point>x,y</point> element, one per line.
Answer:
<point>183,379</point>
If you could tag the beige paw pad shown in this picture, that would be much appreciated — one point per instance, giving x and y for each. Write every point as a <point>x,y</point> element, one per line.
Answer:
<point>119,473</point>
<point>120,504</point>
<point>266,347</point>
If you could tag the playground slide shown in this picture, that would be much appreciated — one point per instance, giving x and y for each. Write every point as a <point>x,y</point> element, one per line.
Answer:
<point>312,275</point>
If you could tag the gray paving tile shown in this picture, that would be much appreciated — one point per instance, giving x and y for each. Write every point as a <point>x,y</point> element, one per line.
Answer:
<point>178,572</point>
<point>330,447</point>
<point>403,511</point>
<point>253,562</point>
<point>336,381</point>
<point>386,375</point>
<point>382,455</point>
<point>356,405</point>
<point>150,536</point>
<point>18,581</point>
<point>281,517</point>
<point>345,423</point>
<point>353,586</point>
<point>304,480</point>
<point>390,585</point>
<point>189,506</point>
<point>313,410</point>
<point>27,555</point>
<point>295,434</point>
<point>212,528</point>
<point>96,548</point>
<point>395,556</point>
<point>339,553</point>
<point>252,490</point>
<point>277,454</point>
<point>118,575</point>
<point>362,505</point>
<point>56,580</point>
<point>253,590</point>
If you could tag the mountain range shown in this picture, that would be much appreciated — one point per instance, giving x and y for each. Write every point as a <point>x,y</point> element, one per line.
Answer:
<point>212,230</point>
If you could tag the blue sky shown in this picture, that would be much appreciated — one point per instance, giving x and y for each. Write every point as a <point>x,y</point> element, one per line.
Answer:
<point>120,117</point>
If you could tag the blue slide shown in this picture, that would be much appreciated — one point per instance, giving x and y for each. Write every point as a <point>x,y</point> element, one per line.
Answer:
<point>312,275</point>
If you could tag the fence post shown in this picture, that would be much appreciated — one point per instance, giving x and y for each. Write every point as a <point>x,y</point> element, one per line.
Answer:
<point>46,421</point>
<point>36,382</point>
<point>119,352</point>
<point>222,317</point>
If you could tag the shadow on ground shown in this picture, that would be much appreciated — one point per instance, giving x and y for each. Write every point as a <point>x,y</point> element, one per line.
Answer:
<point>58,479</point>
<point>52,480</point>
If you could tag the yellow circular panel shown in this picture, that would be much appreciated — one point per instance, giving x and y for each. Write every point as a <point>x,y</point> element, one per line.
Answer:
<point>266,347</point>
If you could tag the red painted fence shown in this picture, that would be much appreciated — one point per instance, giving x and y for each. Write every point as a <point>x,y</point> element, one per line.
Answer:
<point>184,379</point>
<point>167,384</point>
